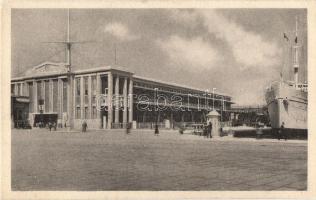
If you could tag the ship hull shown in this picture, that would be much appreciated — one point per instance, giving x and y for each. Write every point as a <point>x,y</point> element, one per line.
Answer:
<point>289,105</point>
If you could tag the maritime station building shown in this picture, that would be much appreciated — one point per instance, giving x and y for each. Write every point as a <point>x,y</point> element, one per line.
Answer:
<point>107,98</point>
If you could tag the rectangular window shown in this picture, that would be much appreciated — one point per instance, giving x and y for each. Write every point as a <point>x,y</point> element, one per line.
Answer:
<point>12,89</point>
<point>78,100</point>
<point>78,86</point>
<point>78,114</point>
<point>65,96</point>
<point>31,97</point>
<point>121,85</point>
<point>86,90</point>
<point>39,90</point>
<point>46,85</point>
<point>104,84</point>
<point>93,88</point>
<point>86,113</point>
<point>55,95</point>
<point>94,112</point>
<point>85,82</point>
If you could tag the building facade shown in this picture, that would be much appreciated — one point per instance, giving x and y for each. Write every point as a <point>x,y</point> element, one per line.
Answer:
<point>111,97</point>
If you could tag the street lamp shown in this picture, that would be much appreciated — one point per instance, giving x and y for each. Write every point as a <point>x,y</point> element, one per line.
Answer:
<point>213,96</point>
<point>206,100</point>
<point>222,108</point>
<point>156,109</point>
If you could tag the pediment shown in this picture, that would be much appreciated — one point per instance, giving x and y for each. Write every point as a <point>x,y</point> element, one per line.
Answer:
<point>46,69</point>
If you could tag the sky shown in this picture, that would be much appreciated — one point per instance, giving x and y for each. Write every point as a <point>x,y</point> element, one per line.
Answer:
<point>237,51</point>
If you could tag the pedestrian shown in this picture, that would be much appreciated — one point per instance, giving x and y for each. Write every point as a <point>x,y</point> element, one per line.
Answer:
<point>84,126</point>
<point>259,133</point>
<point>128,128</point>
<point>156,129</point>
<point>209,130</point>
<point>282,132</point>
<point>205,130</point>
<point>50,126</point>
<point>54,125</point>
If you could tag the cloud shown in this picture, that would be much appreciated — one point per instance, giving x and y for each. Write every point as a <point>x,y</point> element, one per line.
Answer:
<point>248,48</point>
<point>120,31</point>
<point>190,53</point>
<point>189,17</point>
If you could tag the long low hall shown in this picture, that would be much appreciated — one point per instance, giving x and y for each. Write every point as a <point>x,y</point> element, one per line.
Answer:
<point>108,97</point>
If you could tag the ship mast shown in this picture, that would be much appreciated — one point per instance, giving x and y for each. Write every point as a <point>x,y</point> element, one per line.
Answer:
<point>68,43</point>
<point>296,62</point>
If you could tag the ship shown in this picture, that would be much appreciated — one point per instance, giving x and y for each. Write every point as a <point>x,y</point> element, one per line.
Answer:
<point>287,100</point>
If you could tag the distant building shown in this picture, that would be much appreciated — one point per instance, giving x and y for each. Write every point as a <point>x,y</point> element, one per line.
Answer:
<point>249,115</point>
<point>110,97</point>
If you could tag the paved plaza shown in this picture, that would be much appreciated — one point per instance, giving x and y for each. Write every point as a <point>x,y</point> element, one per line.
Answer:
<point>112,160</point>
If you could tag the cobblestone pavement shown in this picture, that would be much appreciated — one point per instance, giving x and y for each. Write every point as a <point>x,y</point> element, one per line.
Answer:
<point>112,160</point>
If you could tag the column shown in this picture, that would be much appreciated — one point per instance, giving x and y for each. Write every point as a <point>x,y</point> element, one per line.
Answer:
<point>117,82</point>
<point>89,97</point>
<point>60,99</point>
<point>51,95</point>
<point>70,102</point>
<point>16,89</point>
<point>43,94</point>
<point>192,116</point>
<point>125,101</point>
<point>35,96</point>
<point>130,94</point>
<point>22,85</point>
<point>81,98</point>
<point>74,98</point>
<point>98,89</point>
<point>110,96</point>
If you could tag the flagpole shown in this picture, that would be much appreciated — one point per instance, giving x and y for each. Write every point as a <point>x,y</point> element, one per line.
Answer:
<point>295,63</point>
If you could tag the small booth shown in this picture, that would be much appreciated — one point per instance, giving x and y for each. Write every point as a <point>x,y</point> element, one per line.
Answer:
<point>213,117</point>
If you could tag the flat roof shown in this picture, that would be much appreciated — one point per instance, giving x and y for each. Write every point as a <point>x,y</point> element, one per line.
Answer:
<point>103,69</point>
<point>171,84</point>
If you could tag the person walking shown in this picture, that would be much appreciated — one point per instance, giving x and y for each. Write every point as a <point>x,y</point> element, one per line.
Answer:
<point>50,126</point>
<point>205,130</point>
<point>156,129</point>
<point>84,126</point>
<point>128,128</point>
<point>55,126</point>
<point>282,132</point>
<point>209,130</point>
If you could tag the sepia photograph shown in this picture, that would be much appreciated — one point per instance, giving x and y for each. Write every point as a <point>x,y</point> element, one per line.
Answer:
<point>160,99</point>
